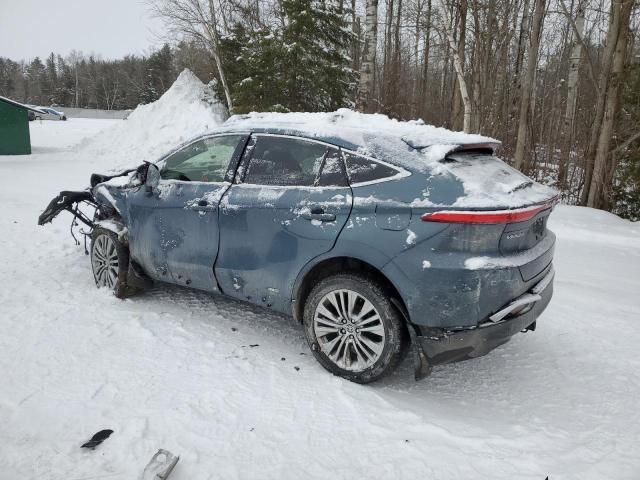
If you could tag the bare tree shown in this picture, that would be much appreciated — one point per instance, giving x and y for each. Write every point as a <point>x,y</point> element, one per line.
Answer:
<point>621,15</point>
<point>197,20</point>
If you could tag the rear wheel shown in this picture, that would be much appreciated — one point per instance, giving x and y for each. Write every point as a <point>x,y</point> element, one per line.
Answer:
<point>109,261</point>
<point>352,328</point>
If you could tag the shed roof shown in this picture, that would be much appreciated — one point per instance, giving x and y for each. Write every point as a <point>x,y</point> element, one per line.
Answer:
<point>20,105</point>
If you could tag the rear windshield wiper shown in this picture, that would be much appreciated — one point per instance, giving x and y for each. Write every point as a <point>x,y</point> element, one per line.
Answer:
<point>522,186</point>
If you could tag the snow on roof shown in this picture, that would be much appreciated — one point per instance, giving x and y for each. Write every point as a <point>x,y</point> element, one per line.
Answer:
<point>373,134</point>
<point>351,125</point>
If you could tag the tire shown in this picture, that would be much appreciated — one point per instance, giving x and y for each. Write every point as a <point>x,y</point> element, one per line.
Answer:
<point>109,262</point>
<point>64,118</point>
<point>341,345</point>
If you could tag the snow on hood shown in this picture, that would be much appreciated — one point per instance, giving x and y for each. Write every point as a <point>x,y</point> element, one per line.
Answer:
<point>187,109</point>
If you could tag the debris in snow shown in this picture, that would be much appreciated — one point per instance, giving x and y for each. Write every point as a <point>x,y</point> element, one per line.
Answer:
<point>160,466</point>
<point>411,237</point>
<point>97,439</point>
<point>234,329</point>
<point>297,369</point>
<point>283,359</point>
<point>426,264</point>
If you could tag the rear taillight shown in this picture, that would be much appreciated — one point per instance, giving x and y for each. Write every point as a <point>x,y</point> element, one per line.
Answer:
<point>486,216</point>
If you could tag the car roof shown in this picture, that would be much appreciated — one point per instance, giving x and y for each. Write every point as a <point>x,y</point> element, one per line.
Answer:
<point>411,144</point>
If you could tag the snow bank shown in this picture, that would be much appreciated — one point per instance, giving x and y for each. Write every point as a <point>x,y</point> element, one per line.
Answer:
<point>187,109</point>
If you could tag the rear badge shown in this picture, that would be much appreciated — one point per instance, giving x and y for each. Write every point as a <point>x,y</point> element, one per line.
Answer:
<point>511,236</point>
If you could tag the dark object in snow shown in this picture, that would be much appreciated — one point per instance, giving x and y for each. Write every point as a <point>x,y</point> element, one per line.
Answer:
<point>97,439</point>
<point>160,466</point>
<point>297,369</point>
<point>255,345</point>
<point>283,359</point>
<point>234,329</point>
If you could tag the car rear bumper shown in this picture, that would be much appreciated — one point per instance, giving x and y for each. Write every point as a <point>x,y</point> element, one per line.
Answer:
<point>448,345</point>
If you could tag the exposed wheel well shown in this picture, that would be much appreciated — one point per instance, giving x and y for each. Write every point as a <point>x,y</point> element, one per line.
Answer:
<point>331,266</point>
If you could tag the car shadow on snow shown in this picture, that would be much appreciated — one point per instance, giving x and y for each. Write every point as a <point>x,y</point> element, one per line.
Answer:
<point>478,376</point>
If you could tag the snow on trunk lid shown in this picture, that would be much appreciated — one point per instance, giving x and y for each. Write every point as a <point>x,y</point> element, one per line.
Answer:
<point>489,183</point>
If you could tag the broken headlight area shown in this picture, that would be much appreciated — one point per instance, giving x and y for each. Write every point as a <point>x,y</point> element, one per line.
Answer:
<point>85,209</point>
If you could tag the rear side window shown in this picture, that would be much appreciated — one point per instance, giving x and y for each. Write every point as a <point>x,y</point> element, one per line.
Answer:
<point>285,161</point>
<point>362,169</point>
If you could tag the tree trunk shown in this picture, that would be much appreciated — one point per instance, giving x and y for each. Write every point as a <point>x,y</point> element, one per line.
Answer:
<point>459,69</point>
<point>602,88</point>
<point>365,87</point>
<point>517,75</point>
<point>598,190</point>
<point>425,61</point>
<point>567,132</point>
<point>527,85</point>
<point>213,37</point>
<point>456,117</point>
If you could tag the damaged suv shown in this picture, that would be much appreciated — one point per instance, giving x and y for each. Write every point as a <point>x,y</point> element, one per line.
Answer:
<point>374,234</point>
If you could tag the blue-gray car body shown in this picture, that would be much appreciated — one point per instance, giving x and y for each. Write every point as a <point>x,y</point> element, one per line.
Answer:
<point>455,283</point>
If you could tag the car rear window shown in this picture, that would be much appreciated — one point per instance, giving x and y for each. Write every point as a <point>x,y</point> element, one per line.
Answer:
<point>489,182</point>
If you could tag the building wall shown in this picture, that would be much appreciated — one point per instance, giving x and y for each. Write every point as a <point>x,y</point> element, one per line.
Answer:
<point>14,130</point>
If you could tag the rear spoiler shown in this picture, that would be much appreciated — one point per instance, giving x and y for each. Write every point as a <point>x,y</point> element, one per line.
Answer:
<point>492,146</point>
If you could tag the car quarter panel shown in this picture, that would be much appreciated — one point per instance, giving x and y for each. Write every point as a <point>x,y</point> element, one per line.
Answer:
<point>460,289</point>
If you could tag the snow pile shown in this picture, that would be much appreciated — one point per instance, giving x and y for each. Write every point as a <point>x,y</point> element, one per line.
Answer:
<point>187,109</point>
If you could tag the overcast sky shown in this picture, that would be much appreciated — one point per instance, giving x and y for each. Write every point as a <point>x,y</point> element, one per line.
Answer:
<point>110,28</point>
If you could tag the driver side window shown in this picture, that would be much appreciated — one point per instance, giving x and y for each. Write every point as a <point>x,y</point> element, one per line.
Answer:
<point>205,160</point>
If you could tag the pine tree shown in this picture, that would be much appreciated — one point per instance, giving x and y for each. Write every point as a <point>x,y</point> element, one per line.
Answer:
<point>300,65</point>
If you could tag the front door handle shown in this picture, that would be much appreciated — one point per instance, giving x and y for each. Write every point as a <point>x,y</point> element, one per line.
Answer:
<point>317,213</point>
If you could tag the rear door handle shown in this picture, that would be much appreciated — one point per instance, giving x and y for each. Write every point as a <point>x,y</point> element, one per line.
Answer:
<point>317,213</point>
<point>202,206</point>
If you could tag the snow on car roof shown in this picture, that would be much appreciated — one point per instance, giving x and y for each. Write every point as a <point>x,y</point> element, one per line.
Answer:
<point>373,134</point>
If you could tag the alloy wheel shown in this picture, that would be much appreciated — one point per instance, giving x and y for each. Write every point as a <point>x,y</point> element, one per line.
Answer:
<point>104,259</point>
<point>349,330</point>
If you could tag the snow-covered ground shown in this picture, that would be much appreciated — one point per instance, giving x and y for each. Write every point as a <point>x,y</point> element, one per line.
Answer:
<point>234,391</point>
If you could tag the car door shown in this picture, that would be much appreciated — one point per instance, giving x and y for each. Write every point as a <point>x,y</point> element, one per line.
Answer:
<point>288,204</point>
<point>173,232</point>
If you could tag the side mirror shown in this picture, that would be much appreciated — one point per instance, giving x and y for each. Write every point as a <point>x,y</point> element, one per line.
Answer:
<point>152,179</point>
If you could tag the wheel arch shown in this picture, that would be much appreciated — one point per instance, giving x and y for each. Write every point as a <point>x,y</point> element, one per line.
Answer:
<point>341,264</point>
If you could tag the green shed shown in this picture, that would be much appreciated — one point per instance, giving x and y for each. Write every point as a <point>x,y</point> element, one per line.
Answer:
<point>14,127</point>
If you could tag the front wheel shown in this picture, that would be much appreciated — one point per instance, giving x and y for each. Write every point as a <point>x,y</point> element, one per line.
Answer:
<point>353,329</point>
<point>109,261</point>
